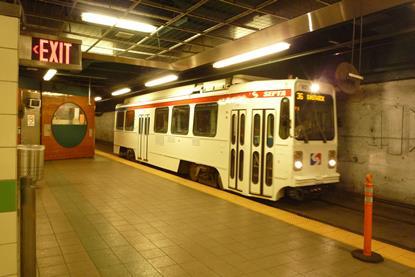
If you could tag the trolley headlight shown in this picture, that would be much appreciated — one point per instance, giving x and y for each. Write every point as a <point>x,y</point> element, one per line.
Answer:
<point>332,159</point>
<point>332,163</point>
<point>298,165</point>
<point>298,160</point>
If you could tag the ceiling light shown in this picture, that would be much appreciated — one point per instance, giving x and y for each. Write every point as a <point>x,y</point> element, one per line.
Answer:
<point>162,80</point>
<point>268,50</point>
<point>118,22</point>
<point>49,74</point>
<point>97,98</point>
<point>120,91</point>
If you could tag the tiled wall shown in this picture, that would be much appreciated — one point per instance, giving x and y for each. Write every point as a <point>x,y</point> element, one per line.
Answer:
<point>9,32</point>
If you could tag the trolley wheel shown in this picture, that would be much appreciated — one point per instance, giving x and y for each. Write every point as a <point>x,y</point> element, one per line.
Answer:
<point>296,194</point>
<point>130,155</point>
<point>194,172</point>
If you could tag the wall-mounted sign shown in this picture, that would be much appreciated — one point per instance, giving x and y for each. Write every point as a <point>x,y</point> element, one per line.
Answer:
<point>37,50</point>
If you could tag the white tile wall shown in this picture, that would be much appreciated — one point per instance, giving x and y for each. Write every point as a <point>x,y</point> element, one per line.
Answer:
<point>9,64</point>
<point>9,34</point>
<point>9,31</point>
<point>8,137</point>
<point>8,164</point>
<point>8,92</point>
<point>8,232</point>
<point>8,259</point>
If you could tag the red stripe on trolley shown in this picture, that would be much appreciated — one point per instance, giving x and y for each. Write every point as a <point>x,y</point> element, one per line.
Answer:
<point>215,98</point>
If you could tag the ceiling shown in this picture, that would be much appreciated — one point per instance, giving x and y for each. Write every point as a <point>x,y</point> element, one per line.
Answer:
<point>186,29</point>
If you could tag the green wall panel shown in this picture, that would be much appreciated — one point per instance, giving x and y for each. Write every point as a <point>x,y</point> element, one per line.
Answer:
<point>8,196</point>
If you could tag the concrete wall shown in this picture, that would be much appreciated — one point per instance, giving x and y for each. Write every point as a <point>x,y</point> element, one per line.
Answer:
<point>104,127</point>
<point>377,135</point>
<point>9,33</point>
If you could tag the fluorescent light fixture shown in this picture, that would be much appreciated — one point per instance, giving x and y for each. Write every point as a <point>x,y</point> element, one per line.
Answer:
<point>120,91</point>
<point>49,74</point>
<point>315,87</point>
<point>265,51</point>
<point>117,22</point>
<point>98,98</point>
<point>162,80</point>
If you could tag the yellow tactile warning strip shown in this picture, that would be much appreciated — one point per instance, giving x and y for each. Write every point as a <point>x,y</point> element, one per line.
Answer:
<point>388,251</point>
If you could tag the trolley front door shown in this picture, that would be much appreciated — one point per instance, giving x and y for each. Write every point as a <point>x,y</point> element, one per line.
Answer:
<point>143,131</point>
<point>262,152</point>
<point>238,168</point>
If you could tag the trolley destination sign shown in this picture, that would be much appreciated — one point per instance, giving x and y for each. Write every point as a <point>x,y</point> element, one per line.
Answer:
<point>39,50</point>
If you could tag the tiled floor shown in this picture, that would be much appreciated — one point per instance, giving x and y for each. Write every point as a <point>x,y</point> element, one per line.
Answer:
<point>99,217</point>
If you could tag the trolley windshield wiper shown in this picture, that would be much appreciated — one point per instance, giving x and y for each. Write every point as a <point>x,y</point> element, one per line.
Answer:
<point>323,135</point>
<point>302,129</point>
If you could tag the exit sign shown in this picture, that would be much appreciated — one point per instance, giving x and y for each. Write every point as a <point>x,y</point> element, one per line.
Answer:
<point>48,51</point>
<point>53,51</point>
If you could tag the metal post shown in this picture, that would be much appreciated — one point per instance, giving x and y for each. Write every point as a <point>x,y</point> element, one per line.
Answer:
<point>27,228</point>
<point>367,255</point>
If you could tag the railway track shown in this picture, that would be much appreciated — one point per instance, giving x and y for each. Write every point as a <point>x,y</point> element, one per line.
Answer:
<point>393,224</point>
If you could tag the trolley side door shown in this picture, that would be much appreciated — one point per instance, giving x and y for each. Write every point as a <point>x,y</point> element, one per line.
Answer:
<point>257,142</point>
<point>140,134</point>
<point>145,139</point>
<point>238,172</point>
<point>268,153</point>
<point>233,150</point>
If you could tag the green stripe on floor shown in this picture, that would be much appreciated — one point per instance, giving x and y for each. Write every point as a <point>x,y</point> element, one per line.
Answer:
<point>8,196</point>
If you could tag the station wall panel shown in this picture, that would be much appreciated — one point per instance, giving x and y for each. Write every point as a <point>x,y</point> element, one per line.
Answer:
<point>9,32</point>
<point>8,163</point>
<point>9,65</point>
<point>9,123</point>
<point>9,70</point>
<point>8,103</point>
<point>8,259</point>
<point>8,235</point>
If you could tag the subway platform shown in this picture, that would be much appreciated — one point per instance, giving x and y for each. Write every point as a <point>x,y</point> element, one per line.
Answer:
<point>111,217</point>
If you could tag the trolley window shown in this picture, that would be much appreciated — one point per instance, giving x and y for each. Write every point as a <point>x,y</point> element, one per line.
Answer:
<point>257,129</point>
<point>270,130</point>
<point>255,167</point>
<point>233,128</point>
<point>285,118</point>
<point>161,120</point>
<point>129,120</point>
<point>180,120</point>
<point>242,130</point>
<point>233,163</point>
<point>120,121</point>
<point>314,116</point>
<point>241,165</point>
<point>268,169</point>
<point>205,120</point>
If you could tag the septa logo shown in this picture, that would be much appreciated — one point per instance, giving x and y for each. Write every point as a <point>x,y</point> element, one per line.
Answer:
<point>315,159</point>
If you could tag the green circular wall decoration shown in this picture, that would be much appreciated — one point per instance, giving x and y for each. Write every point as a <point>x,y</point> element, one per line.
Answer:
<point>69,125</point>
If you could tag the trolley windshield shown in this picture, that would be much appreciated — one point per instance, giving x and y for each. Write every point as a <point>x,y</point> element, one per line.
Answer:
<point>314,116</point>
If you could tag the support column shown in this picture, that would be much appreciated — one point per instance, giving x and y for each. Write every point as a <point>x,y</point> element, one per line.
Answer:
<point>9,70</point>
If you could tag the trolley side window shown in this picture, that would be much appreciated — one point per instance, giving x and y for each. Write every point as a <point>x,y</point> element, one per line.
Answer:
<point>129,120</point>
<point>205,120</point>
<point>285,118</point>
<point>161,120</point>
<point>180,120</point>
<point>120,121</point>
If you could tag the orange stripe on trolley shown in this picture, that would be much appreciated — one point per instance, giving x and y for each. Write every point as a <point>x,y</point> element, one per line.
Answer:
<point>215,98</point>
